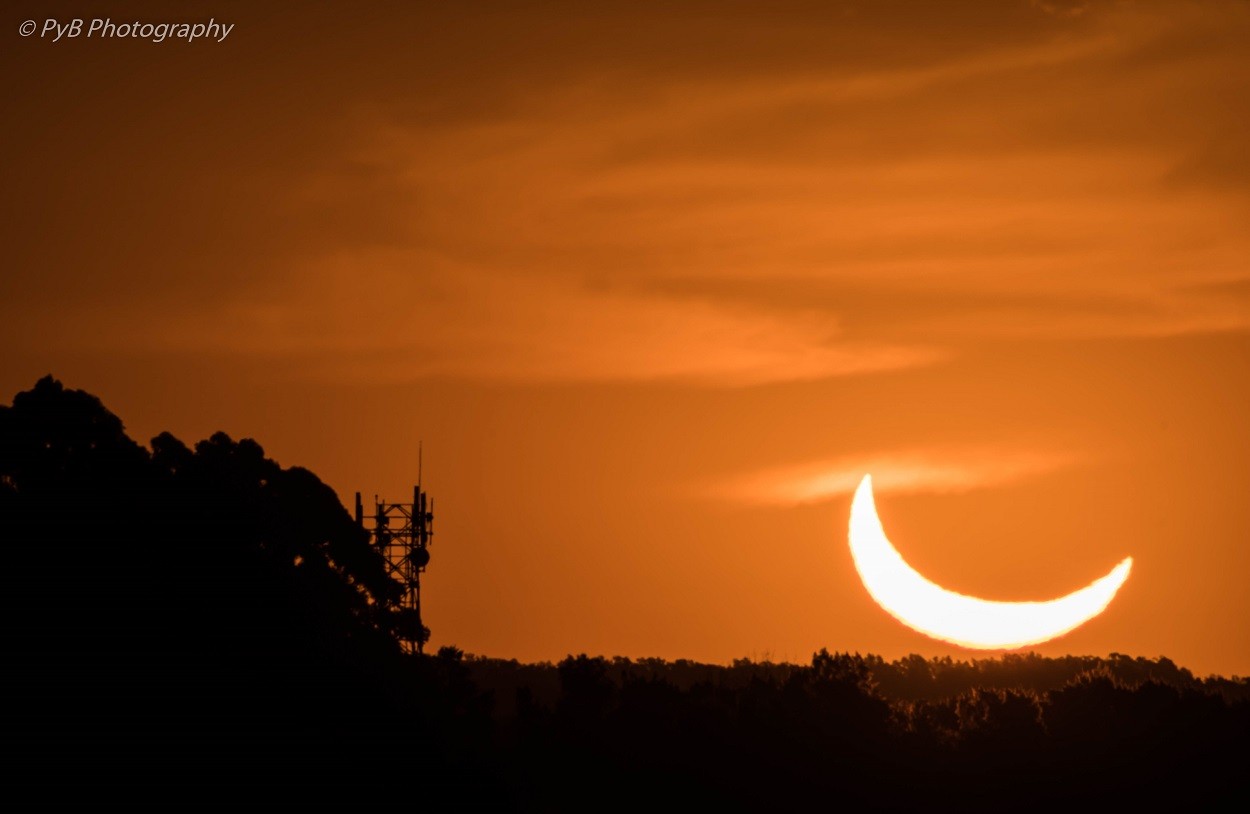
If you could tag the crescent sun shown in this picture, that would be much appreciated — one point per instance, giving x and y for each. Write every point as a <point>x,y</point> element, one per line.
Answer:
<point>952,617</point>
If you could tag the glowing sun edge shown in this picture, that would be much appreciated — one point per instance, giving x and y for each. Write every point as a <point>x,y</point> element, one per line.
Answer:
<point>952,617</point>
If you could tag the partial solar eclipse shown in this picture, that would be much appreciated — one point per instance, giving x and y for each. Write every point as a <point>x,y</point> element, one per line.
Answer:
<point>952,617</point>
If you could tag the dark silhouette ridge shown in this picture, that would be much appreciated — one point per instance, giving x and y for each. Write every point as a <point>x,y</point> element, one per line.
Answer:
<point>1018,732</point>
<point>196,618</point>
<point>197,626</point>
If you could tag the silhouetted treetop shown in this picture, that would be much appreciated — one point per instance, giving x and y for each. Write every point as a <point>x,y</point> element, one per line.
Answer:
<point>216,547</point>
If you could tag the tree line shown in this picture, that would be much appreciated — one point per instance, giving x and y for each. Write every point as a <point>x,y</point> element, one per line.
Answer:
<point>1018,732</point>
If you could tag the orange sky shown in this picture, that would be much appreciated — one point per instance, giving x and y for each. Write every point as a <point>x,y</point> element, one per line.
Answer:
<point>655,283</point>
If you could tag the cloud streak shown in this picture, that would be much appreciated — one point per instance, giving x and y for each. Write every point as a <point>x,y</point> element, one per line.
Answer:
<point>377,318</point>
<point>920,470</point>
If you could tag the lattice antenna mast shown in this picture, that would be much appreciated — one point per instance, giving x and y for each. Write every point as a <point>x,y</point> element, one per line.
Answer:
<point>402,533</point>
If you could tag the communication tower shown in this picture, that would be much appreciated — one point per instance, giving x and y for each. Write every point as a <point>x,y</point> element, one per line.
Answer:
<point>401,532</point>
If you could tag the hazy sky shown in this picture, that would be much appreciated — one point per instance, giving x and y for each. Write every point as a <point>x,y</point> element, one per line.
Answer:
<point>656,283</point>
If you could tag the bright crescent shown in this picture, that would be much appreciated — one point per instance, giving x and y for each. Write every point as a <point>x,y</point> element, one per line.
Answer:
<point>964,620</point>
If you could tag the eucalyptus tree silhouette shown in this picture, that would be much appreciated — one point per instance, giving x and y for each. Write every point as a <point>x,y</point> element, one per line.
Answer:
<point>113,548</point>
<point>196,614</point>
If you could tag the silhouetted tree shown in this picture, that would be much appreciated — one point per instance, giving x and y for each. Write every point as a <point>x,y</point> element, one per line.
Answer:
<point>199,614</point>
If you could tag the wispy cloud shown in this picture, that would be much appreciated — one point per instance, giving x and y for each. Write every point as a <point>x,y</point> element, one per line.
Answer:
<point>908,470</point>
<point>398,317</point>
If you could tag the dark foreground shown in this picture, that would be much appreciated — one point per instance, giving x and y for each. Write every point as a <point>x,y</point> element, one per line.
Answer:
<point>200,628</point>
